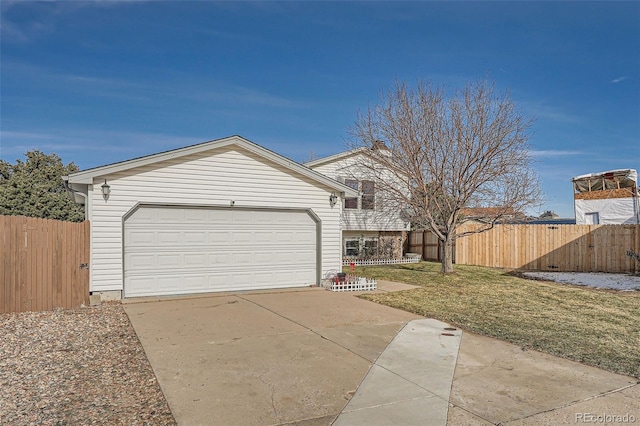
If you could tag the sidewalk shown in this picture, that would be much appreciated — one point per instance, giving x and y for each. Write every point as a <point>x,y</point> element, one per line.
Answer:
<point>410,382</point>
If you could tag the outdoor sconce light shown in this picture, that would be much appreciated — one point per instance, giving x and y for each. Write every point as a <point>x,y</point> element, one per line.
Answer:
<point>106,190</point>
<point>333,199</point>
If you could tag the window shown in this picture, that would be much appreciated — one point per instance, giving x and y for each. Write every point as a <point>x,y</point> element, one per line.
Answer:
<point>351,203</point>
<point>368,195</point>
<point>370,248</point>
<point>592,218</point>
<point>366,247</point>
<point>368,199</point>
<point>352,248</point>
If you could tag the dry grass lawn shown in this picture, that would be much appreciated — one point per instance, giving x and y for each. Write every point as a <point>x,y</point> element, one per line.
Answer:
<point>597,327</point>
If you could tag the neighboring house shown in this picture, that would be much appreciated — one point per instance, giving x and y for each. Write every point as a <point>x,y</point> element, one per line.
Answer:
<point>549,215</point>
<point>549,218</point>
<point>610,197</point>
<point>222,215</point>
<point>370,227</point>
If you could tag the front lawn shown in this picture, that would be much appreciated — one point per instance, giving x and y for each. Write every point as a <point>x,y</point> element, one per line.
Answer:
<point>596,327</point>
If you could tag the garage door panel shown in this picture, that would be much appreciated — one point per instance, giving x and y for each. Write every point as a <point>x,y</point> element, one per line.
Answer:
<point>168,238</point>
<point>170,260</point>
<point>242,237</point>
<point>190,250</point>
<point>196,282</point>
<point>264,278</point>
<point>305,236</point>
<point>263,258</point>
<point>170,215</point>
<point>219,238</point>
<point>192,237</point>
<point>263,237</point>
<point>143,285</point>
<point>142,238</point>
<point>244,217</point>
<point>195,260</point>
<point>241,258</point>
<point>164,285</point>
<point>220,259</point>
<point>218,216</point>
<point>142,261</point>
<point>242,279</point>
<point>195,215</point>
<point>305,258</point>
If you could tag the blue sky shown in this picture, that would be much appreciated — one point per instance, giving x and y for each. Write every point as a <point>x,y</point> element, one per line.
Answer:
<point>105,81</point>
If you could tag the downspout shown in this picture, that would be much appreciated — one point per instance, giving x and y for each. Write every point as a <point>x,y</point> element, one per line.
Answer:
<point>72,192</point>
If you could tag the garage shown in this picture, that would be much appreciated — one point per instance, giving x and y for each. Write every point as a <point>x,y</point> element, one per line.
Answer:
<point>182,250</point>
<point>222,215</point>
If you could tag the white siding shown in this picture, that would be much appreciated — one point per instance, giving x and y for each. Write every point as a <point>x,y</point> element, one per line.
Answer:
<point>611,211</point>
<point>361,220</point>
<point>216,177</point>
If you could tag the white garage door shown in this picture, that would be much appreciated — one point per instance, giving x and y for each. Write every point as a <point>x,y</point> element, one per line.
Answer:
<point>194,250</point>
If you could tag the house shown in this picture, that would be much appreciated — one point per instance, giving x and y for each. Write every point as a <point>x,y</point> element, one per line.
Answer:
<point>549,218</point>
<point>610,197</point>
<point>222,215</point>
<point>371,228</point>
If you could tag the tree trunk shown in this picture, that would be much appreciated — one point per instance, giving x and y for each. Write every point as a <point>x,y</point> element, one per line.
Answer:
<point>447,255</point>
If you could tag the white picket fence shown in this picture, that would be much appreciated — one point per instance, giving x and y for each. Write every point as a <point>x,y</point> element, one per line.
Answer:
<point>369,262</point>
<point>350,284</point>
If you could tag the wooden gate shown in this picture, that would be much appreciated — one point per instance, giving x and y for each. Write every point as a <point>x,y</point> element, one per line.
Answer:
<point>43,264</point>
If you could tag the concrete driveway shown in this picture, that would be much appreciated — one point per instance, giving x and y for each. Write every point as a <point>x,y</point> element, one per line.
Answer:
<point>279,357</point>
<point>299,356</point>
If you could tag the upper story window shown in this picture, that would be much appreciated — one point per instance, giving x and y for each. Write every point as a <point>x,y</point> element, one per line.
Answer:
<point>352,202</point>
<point>367,200</point>
<point>368,189</point>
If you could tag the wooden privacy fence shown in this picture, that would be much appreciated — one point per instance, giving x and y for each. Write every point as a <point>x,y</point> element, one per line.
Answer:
<point>43,264</point>
<point>426,244</point>
<point>567,248</point>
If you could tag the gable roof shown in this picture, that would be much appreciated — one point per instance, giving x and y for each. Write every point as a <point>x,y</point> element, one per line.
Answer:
<point>87,176</point>
<point>335,157</point>
<point>376,146</point>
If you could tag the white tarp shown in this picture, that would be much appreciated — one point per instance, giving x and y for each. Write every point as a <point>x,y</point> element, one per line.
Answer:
<point>614,211</point>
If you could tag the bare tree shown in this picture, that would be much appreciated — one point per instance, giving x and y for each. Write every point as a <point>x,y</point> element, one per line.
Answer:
<point>446,154</point>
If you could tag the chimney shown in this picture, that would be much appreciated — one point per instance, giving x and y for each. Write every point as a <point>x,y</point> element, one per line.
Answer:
<point>379,145</point>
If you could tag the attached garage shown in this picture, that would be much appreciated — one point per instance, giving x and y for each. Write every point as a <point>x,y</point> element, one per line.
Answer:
<point>224,215</point>
<point>181,250</point>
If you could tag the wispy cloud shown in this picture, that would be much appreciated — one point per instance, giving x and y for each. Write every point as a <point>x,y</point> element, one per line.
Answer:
<point>43,15</point>
<point>554,153</point>
<point>89,147</point>
<point>12,32</point>
<point>545,111</point>
<point>176,86</point>
<point>619,79</point>
<point>244,96</point>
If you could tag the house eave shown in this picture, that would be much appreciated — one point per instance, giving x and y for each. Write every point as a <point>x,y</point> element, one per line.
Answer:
<point>339,156</point>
